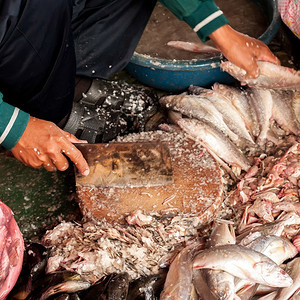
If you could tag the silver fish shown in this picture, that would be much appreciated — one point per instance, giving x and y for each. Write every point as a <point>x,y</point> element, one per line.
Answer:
<point>201,286</point>
<point>283,111</point>
<point>178,284</point>
<point>271,75</point>
<point>293,269</point>
<point>219,282</point>
<point>215,141</point>
<point>230,114</point>
<point>241,102</point>
<point>275,247</point>
<point>263,104</point>
<point>244,263</point>
<point>71,286</point>
<point>194,47</point>
<point>275,228</point>
<point>199,108</point>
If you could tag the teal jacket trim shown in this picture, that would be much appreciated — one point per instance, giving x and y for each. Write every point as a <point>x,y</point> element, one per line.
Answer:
<point>193,12</point>
<point>12,124</point>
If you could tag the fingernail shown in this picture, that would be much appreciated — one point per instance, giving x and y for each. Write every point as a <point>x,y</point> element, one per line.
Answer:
<point>86,172</point>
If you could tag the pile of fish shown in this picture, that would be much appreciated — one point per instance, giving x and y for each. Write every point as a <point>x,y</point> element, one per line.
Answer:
<point>251,250</point>
<point>236,267</point>
<point>233,123</point>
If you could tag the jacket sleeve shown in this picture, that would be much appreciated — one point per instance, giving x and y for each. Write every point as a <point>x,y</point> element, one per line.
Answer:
<point>13,122</point>
<point>203,16</point>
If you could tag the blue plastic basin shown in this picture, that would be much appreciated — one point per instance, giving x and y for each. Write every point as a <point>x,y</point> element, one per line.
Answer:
<point>174,75</point>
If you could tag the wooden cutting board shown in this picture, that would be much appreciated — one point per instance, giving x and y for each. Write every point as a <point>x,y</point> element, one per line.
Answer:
<point>197,186</point>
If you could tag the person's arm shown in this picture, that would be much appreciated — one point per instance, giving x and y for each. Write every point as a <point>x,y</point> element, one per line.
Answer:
<point>13,122</point>
<point>38,143</point>
<point>208,21</point>
<point>203,16</point>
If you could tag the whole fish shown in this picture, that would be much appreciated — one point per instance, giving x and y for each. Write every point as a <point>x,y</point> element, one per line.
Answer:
<point>199,108</point>
<point>275,228</point>
<point>194,47</point>
<point>230,114</point>
<point>293,269</point>
<point>147,287</point>
<point>241,102</point>
<point>178,284</point>
<point>71,286</point>
<point>117,288</point>
<point>220,283</point>
<point>244,263</point>
<point>262,102</point>
<point>271,75</point>
<point>215,141</point>
<point>201,286</point>
<point>275,247</point>
<point>283,111</point>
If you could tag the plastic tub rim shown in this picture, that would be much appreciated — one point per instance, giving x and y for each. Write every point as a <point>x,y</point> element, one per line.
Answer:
<point>205,63</point>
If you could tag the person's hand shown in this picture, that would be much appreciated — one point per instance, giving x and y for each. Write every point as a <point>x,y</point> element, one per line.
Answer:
<point>242,50</point>
<point>43,144</point>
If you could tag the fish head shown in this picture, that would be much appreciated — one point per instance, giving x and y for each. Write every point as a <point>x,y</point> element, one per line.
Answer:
<point>273,275</point>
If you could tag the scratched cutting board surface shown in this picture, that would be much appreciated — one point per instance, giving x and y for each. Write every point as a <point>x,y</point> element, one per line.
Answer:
<point>197,186</point>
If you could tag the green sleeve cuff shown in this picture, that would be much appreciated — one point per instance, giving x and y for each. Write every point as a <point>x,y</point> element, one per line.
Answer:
<point>13,122</point>
<point>203,16</point>
<point>206,19</point>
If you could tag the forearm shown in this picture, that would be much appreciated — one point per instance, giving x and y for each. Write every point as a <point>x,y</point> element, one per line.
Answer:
<point>13,122</point>
<point>203,16</point>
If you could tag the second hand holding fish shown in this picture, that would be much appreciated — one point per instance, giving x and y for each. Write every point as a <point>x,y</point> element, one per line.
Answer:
<point>242,50</point>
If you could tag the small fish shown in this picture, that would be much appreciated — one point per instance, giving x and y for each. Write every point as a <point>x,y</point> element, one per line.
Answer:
<point>283,111</point>
<point>215,141</point>
<point>178,284</point>
<point>98,289</point>
<point>293,269</point>
<point>230,114</point>
<point>244,263</point>
<point>239,99</point>
<point>262,102</point>
<point>271,75</point>
<point>275,247</point>
<point>147,287</point>
<point>53,283</point>
<point>199,108</point>
<point>275,228</point>
<point>71,286</point>
<point>117,288</point>
<point>201,286</point>
<point>220,283</point>
<point>194,47</point>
